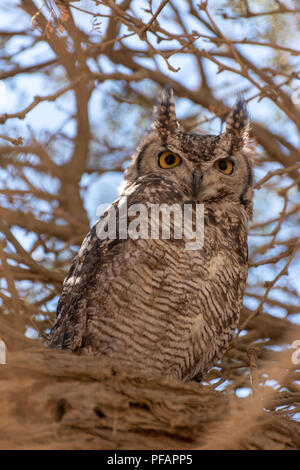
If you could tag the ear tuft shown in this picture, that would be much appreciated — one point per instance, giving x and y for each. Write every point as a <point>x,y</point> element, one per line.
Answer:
<point>237,123</point>
<point>165,120</point>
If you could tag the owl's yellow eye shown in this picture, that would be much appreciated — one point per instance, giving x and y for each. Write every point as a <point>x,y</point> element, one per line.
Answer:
<point>225,166</point>
<point>168,160</point>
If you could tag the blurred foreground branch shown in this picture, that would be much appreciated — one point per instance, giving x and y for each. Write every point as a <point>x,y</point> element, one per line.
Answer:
<point>71,402</point>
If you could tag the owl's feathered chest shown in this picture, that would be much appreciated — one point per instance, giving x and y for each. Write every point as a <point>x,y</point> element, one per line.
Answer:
<point>152,302</point>
<point>166,265</point>
<point>180,307</point>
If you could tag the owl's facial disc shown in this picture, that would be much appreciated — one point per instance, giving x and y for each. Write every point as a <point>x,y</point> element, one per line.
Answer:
<point>204,167</point>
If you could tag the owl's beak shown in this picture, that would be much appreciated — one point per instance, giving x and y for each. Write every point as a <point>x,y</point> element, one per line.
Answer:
<point>196,182</point>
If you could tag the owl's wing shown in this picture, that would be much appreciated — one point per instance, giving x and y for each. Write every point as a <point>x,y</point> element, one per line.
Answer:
<point>71,314</point>
<point>72,309</point>
<point>82,284</point>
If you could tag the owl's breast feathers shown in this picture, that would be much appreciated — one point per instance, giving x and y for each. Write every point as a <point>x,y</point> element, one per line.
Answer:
<point>152,304</point>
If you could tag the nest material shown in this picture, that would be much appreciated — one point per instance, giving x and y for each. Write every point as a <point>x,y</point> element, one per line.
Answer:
<point>54,399</point>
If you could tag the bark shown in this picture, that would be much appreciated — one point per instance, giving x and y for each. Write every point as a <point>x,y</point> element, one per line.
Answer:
<point>56,400</point>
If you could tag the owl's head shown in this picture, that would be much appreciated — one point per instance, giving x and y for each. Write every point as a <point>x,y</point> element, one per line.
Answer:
<point>203,168</point>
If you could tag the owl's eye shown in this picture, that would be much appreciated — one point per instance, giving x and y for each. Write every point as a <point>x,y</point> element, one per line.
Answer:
<point>168,160</point>
<point>225,166</point>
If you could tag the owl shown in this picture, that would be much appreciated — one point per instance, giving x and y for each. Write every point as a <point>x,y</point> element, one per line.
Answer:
<point>149,302</point>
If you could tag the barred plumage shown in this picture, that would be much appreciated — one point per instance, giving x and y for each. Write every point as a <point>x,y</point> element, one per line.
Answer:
<point>151,303</point>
